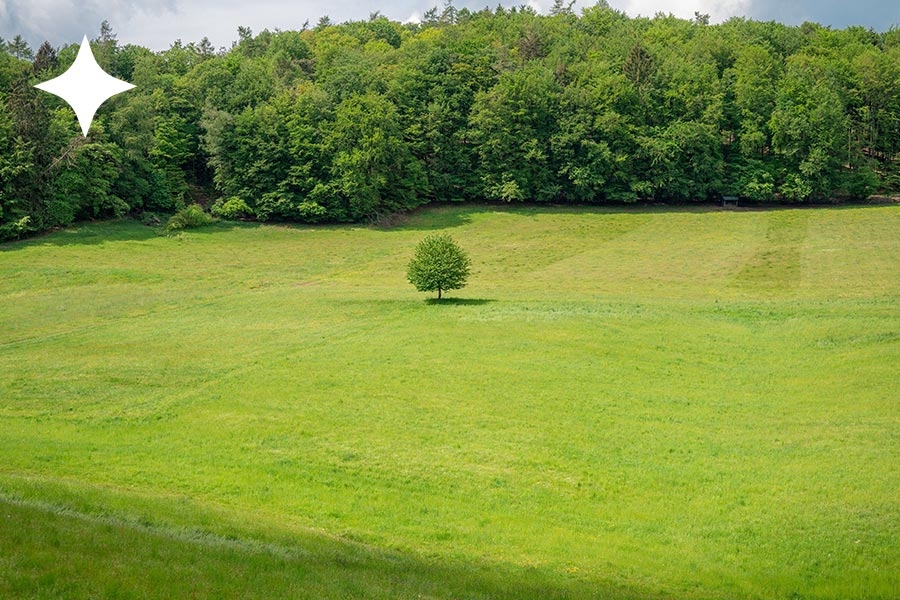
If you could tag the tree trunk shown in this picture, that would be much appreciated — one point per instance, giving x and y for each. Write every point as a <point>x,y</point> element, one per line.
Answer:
<point>439,293</point>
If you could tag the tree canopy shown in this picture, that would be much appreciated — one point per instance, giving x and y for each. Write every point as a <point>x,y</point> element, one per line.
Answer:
<point>347,122</point>
<point>438,265</point>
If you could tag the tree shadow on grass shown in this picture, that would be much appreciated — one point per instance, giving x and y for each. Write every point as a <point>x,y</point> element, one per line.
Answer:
<point>86,234</point>
<point>93,233</point>
<point>430,217</point>
<point>533,209</point>
<point>459,301</point>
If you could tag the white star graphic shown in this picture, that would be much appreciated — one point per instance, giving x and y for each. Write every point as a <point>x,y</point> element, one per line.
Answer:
<point>85,86</point>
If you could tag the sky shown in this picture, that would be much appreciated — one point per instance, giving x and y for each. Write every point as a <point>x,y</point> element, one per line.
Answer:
<point>157,23</point>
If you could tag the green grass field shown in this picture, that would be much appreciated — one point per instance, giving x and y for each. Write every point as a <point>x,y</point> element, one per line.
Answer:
<point>622,404</point>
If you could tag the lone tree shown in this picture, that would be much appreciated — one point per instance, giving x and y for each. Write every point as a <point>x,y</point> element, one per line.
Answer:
<point>438,264</point>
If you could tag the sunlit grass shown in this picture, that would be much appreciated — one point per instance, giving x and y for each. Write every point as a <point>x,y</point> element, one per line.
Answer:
<point>652,403</point>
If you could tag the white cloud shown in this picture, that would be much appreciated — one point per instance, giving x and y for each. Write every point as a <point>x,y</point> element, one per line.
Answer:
<point>65,21</point>
<point>718,10</point>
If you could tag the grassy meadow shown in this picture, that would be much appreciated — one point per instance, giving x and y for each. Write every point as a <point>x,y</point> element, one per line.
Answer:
<point>658,403</point>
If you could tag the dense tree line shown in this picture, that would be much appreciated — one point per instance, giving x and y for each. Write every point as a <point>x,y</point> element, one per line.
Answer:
<point>351,121</point>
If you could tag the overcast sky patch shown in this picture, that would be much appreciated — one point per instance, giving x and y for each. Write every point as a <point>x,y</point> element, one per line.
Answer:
<point>157,23</point>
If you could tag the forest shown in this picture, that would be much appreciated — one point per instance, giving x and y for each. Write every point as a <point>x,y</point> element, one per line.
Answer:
<point>354,121</point>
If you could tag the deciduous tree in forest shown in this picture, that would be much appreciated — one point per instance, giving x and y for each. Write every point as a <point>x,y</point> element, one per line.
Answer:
<point>355,120</point>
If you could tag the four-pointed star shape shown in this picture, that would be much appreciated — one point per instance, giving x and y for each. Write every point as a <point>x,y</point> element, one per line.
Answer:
<point>85,86</point>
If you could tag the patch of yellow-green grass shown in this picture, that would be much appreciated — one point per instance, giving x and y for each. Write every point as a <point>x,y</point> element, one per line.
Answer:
<point>648,403</point>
